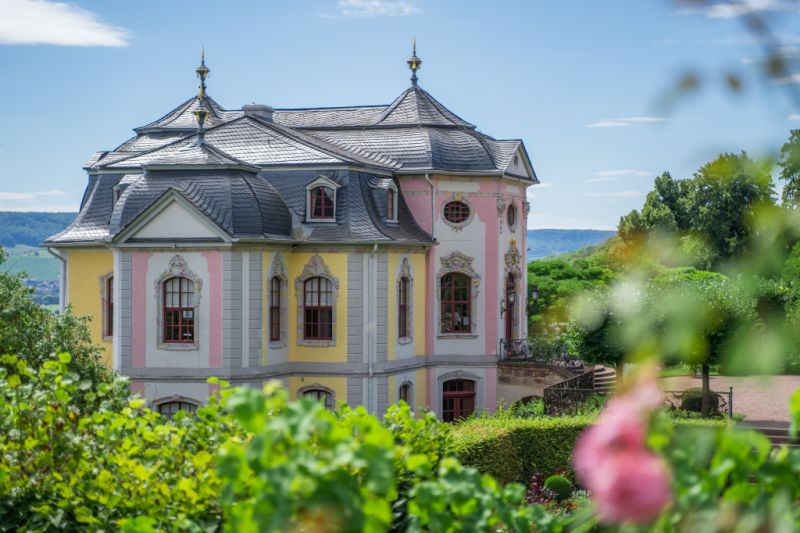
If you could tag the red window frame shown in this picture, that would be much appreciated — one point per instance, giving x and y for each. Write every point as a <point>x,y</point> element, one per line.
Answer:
<point>321,396</point>
<point>405,393</point>
<point>511,216</point>
<point>458,399</point>
<point>402,308</point>
<point>109,325</point>
<point>322,202</point>
<point>178,319</point>
<point>318,309</point>
<point>456,212</point>
<point>456,303</point>
<point>390,204</point>
<point>275,309</point>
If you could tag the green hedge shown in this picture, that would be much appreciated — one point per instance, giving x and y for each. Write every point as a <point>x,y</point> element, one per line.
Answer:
<point>513,449</point>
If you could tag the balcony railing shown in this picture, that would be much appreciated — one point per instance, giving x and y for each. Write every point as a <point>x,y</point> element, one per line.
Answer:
<point>551,354</point>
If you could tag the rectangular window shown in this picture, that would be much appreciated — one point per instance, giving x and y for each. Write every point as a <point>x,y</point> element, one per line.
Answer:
<point>390,204</point>
<point>456,305</point>
<point>275,310</point>
<point>109,329</point>
<point>178,310</point>
<point>402,308</point>
<point>318,309</point>
<point>322,203</point>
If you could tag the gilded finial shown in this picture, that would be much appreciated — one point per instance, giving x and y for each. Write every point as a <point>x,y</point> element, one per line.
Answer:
<point>414,63</point>
<point>202,73</point>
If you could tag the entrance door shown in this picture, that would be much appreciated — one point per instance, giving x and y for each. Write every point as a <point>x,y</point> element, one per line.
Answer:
<point>511,298</point>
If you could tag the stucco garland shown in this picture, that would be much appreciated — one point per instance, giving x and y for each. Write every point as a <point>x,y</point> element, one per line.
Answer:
<point>278,270</point>
<point>315,267</point>
<point>462,264</point>
<point>513,262</point>
<point>178,268</point>
<point>501,209</point>
<point>406,272</point>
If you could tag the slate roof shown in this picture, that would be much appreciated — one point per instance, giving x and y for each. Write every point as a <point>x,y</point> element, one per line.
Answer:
<point>360,147</point>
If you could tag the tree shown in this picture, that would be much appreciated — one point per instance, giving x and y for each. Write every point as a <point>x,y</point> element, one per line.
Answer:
<point>593,334</point>
<point>789,163</point>
<point>38,335</point>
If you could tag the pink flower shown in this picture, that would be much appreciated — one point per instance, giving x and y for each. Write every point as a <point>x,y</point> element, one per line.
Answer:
<point>628,482</point>
<point>631,487</point>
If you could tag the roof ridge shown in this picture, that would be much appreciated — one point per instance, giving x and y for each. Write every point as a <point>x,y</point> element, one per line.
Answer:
<point>326,108</point>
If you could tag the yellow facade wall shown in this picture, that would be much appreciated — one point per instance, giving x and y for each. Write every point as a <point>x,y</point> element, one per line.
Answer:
<point>337,263</point>
<point>337,384</point>
<point>417,263</point>
<point>86,270</point>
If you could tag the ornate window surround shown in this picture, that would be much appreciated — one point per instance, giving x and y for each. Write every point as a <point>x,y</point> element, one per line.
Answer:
<point>104,279</point>
<point>278,270</point>
<point>512,206</point>
<point>410,385</point>
<point>406,272</point>
<point>178,268</point>
<point>462,264</point>
<point>315,267</point>
<point>321,181</point>
<point>457,197</point>
<point>316,386</point>
<point>513,262</point>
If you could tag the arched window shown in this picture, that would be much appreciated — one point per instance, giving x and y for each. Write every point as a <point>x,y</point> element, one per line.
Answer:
<point>403,308</point>
<point>179,310</point>
<point>406,393</point>
<point>390,204</point>
<point>318,309</point>
<point>322,202</point>
<point>321,395</point>
<point>458,399</point>
<point>456,303</point>
<point>171,408</point>
<point>275,309</point>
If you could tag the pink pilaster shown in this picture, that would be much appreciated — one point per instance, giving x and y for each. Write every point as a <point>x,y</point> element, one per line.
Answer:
<point>214,264</point>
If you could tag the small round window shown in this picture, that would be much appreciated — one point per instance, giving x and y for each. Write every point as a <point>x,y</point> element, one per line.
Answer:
<point>511,216</point>
<point>456,212</point>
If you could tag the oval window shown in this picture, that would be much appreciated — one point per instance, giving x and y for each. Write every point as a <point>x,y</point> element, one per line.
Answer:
<point>456,212</point>
<point>511,216</point>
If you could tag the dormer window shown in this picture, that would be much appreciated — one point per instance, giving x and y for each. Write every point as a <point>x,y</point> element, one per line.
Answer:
<point>322,203</point>
<point>391,204</point>
<point>321,200</point>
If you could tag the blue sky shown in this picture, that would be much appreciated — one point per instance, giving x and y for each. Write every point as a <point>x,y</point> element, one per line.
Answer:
<point>581,82</point>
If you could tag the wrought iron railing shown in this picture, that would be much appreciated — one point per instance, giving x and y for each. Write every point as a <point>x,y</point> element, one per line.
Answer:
<point>551,354</point>
<point>569,396</point>
<point>674,399</point>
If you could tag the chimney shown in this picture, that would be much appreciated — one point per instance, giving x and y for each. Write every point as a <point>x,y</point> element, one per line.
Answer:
<point>260,111</point>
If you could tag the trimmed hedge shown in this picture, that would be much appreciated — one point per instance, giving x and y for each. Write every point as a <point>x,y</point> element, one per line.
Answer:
<point>513,449</point>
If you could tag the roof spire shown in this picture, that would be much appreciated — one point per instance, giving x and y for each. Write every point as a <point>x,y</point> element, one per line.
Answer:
<point>414,63</point>
<point>201,111</point>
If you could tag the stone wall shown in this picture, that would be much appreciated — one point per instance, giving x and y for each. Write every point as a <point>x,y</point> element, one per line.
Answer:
<point>516,381</point>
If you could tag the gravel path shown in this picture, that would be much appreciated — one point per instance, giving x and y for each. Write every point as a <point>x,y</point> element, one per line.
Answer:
<point>759,398</point>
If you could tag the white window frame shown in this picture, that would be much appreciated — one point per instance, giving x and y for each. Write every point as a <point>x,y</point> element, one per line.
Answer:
<point>321,181</point>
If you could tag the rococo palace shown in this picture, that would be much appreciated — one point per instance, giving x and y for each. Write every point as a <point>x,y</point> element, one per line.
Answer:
<point>361,254</point>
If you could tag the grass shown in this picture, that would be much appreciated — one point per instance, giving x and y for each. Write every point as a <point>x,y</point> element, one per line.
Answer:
<point>683,370</point>
<point>35,262</point>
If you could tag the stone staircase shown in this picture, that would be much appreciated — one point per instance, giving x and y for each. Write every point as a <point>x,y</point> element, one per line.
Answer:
<point>776,432</point>
<point>605,379</point>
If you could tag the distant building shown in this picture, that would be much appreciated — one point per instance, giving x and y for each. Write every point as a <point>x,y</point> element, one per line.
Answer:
<point>359,254</point>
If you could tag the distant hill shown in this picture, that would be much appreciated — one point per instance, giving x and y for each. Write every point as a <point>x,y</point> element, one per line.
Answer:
<point>547,242</point>
<point>30,228</point>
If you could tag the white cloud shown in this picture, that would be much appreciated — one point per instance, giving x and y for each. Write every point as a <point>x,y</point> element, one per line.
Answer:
<point>377,8</point>
<point>794,117</point>
<point>617,173</point>
<point>614,194</point>
<point>28,196</point>
<point>791,79</point>
<point>625,121</point>
<point>544,185</point>
<point>726,9</point>
<point>58,23</point>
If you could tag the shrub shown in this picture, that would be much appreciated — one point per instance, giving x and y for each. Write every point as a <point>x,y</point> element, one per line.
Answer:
<point>512,449</point>
<point>560,486</point>
<point>692,400</point>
